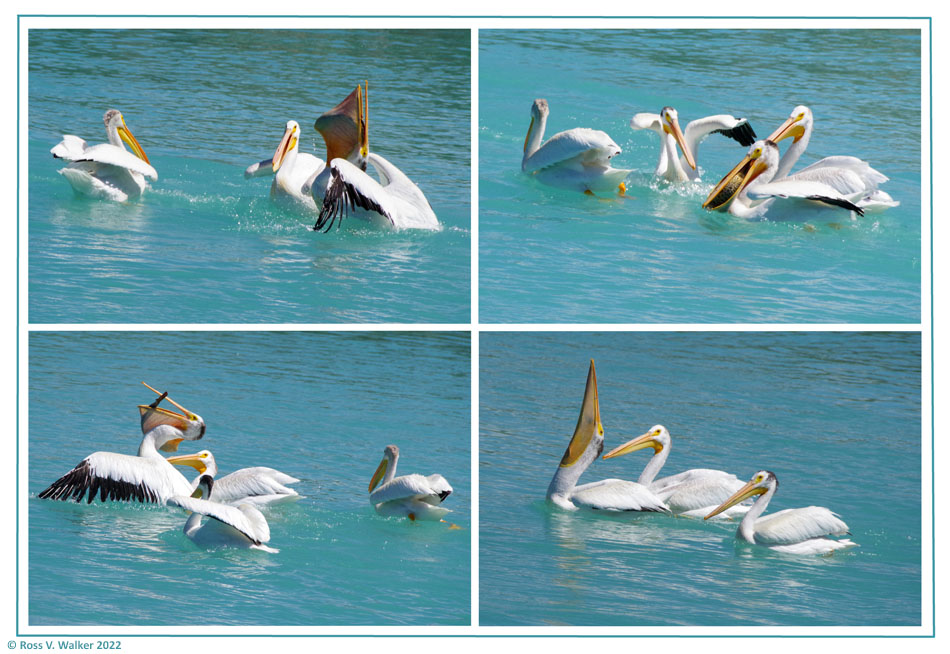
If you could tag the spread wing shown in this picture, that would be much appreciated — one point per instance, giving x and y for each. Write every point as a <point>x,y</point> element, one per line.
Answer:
<point>106,153</point>
<point>737,129</point>
<point>617,495</point>
<point>244,518</point>
<point>797,525</point>
<point>349,189</point>
<point>118,477</point>
<point>579,146</point>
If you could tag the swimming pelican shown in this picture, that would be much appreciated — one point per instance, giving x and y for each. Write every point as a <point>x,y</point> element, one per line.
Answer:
<point>257,485</point>
<point>411,496</point>
<point>147,477</point>
<point>850,176</point>
<point>749,189</point>
<point>295,170</point>
<point>577,159</point>
<point>671,166</point>
<point>107,170</point>
<point>304,177</point>
<point>796,531</point>
<point>692,493</point>
<point>586,445</point>
<point>242,526</point>
<point>393,201</point>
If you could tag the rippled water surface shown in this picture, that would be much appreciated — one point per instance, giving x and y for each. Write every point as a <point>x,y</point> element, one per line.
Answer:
<point>206,245</point>
<point>320,407</point>
<point>836,416</point>
<point>549,255</point>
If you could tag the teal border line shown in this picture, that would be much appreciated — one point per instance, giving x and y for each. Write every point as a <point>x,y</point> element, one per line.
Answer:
<point>933,515</point>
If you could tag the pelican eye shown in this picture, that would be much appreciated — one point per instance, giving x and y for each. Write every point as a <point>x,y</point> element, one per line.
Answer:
<point>758,479</point>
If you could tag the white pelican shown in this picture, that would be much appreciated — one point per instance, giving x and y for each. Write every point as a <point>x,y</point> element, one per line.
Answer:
<point>393,201</point>
<point>796,531</point>
<point>257,485</point>
<point>147,477</point>
<point>304,177</point>
<point>577,159</point>
<point>586,445</point>
<point>411,496</point>
<point>850,176</point>
<point>107,170</point>
<point>692,493</point>
<point>293,171</point>
<point>671,166</point>
<point>242,526</point>
<point>749,189</point>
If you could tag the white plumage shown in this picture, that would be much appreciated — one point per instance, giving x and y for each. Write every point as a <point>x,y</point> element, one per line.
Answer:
<point>257,485</point>
<point>681,168</point>
<point>393,201</point>
<point>691,493</point>
<point>577,159</point>
<point>585,446</point>
<point>751,190</point>
<point>796,531</point>
<point>108,170</point>
<point>148,477</point>
<point>242,526</point>
<point>850,176</point>
<point>411,496</point>
<point>293,171</point>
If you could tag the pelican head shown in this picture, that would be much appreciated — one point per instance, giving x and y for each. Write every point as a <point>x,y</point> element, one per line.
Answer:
<point>345,128</point>
<point>204,487</point>
<point>119,132</point>
<point>539,113</point>
<point>390,456</point>
<point>762,482</point>
<point>202,461</point>
<point>589,428</point>
<point>671,125</point>
<point>288,143</point>
<point>658,438</point>
<point>797,125</point>
<point>191,425</point>
<point>762,156</point>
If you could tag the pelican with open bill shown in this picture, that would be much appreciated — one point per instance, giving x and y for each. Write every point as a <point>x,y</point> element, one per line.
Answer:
<point>147,477</point>
<point>393,201</point>
<point>585,446</point>
<point>748,190</point>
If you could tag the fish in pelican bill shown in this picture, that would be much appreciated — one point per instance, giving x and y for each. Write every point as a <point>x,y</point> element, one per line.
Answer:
<point>692,493</point>
<point>585,446</point>
<point>147,477</point>
<point>242,526</point>
<point>810,530</point>
<point>106,171</point>
<point>577,159</point>
<point>409,496</point>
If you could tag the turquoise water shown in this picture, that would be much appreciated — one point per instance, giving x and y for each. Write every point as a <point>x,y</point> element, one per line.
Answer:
<point>547,255</point>
<point>320,407</point>
<point>204,244</point>
<point>836,416</point>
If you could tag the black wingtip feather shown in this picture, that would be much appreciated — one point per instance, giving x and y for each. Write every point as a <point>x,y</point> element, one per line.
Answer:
<point>837,202</point>
<point>741,133</point>
<point>340,199</point>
